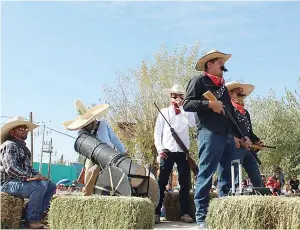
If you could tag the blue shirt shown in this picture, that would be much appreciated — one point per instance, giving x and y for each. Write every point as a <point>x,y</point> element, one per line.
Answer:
<point>107,135</point>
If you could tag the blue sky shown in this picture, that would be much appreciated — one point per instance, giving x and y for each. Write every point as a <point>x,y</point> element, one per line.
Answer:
<point>55,52</point>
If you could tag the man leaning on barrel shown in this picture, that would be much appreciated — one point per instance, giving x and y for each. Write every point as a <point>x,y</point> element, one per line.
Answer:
<point>89,121</point>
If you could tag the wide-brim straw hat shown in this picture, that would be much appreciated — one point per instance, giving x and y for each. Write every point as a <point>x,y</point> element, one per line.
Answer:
<point>13,123</point>
<point>212,54</point>
<point>247,88</point>
<point>177,89</point>
<point>86,115</point>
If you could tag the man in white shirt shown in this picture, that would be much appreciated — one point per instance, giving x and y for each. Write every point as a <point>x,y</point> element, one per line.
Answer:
<point>169,151</point>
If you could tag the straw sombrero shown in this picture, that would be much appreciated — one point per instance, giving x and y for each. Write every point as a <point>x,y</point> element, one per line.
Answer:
<point>178,89</point>
<point>212,54</point>
<point>86,115</point>
<point>13,123</point>
<point>247,88</point>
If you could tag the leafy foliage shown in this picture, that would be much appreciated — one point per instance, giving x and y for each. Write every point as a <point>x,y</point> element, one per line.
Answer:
<point>132,99</point>
<point>276,122</point>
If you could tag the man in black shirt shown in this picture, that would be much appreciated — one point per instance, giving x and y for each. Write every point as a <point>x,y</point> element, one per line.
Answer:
<point>294,183</point>
<point>215,130</point>
<point>238,92</point>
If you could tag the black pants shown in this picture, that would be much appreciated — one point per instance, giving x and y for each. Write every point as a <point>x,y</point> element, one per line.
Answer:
<point>183,167</point>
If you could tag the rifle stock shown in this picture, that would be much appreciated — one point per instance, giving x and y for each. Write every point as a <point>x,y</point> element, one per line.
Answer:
<point>192,163</point>
<point>208,95</point>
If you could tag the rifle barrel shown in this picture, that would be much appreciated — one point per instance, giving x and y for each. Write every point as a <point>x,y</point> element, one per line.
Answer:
<point>264,146</point>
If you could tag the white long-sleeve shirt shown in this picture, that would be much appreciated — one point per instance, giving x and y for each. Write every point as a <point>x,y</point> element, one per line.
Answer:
<point>163,138</point>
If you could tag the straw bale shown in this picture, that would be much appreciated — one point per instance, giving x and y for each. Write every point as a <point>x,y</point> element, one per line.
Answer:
<point>172,205</point>
<point>101,212</point>
<point>11,211</point>
<point>254,212</point>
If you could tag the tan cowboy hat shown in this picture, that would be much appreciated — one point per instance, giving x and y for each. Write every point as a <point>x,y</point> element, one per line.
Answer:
<point>13,123</point>
<point>247,88</point>
<point>178,89</point>
<point>86,115</point>
<point>212,54</point>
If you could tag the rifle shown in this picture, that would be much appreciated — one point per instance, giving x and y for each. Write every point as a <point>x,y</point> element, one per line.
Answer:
<point>254,146</point>
<point>208,95</point>
<point>192,163</point>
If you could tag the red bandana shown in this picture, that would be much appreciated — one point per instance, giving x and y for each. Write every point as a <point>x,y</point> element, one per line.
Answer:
<point>218,81</point>
<point>176,108</point>
<point>240,108</point>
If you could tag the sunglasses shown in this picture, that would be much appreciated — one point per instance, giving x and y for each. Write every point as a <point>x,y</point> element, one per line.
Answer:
<point>178,96</point>
<point>22,128</point>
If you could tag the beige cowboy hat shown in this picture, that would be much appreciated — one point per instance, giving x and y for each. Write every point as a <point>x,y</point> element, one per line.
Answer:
<point>86,115</point>
<point>13,123</point>
<point>212,54</point>
<point>247,88</point>
<point>178,89</point>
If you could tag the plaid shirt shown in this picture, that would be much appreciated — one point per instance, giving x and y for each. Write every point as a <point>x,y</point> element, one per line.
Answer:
<point>15,161</point>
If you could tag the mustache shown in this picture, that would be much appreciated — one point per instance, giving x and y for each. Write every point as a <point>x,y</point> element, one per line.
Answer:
<point>223,68</point>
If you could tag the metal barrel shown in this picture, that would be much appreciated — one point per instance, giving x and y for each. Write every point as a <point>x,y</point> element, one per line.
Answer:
<point>102,154</point>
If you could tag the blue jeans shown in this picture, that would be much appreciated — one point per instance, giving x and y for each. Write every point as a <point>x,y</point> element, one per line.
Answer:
<point>38,192</point>
<point>215,151</point>
<point>251,166</point>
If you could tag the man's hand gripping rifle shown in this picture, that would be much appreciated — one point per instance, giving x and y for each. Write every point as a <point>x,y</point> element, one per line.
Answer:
<point>192,163</point>
<point>208,95</point>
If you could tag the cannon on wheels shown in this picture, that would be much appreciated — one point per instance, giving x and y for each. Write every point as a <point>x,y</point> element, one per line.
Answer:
<point>119,175</point>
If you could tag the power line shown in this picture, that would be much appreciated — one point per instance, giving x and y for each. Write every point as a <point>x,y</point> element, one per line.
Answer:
<point>60,132</point>
<point>65,134</point>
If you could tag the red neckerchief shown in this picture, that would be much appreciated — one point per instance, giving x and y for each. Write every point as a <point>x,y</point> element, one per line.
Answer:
<point>176,108</point>
<point>218,81</point>
<point>240,108</point>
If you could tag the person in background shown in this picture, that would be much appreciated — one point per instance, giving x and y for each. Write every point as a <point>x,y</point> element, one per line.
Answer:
<point>294,184</point>
<point>169,152</point>
<point>278,170</point>
<point>274,184</point>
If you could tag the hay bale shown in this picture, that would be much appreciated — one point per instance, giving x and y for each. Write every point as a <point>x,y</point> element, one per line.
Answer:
<point>101,212</point>
<point>172,205</point>
<point>254,212</point>
<point>292,195</point>
<point>11,211</point>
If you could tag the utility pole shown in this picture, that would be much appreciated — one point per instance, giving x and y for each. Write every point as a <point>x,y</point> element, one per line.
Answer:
<point>50,151</point>
<point>42,150</point>
<point>31,139</point>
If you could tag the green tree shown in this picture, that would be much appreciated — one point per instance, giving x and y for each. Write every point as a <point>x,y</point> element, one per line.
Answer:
<point>276,122</point>
<point>132,99</point>
<point>80,159</point>
<point>61,161</point>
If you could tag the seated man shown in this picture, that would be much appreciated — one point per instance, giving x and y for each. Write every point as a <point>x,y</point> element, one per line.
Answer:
<point>87,122</point>
<point>274,184</point>
<point>294,184</point>
<point>18,178</point>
